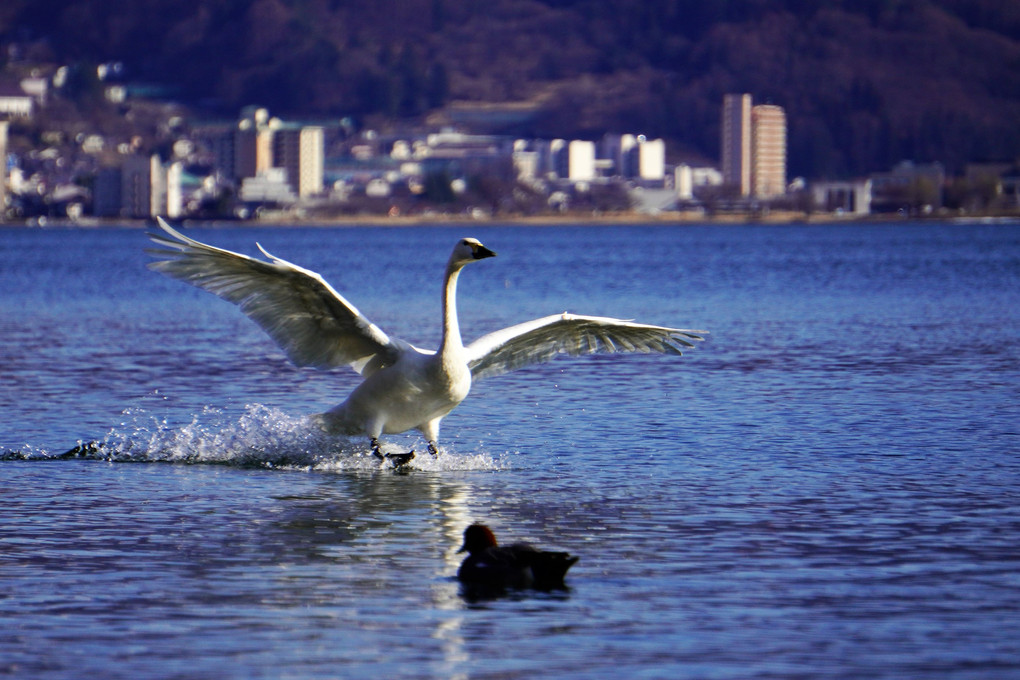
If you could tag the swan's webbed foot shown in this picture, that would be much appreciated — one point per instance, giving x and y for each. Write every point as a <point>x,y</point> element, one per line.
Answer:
<point>398,459</point>
<point>434,449</point>
<point>83,450</point>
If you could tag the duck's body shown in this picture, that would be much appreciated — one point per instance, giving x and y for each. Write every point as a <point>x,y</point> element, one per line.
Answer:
<point>405,388</point>
<point>519,565</point>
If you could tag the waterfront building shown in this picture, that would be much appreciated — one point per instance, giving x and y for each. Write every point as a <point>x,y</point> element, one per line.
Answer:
<point>580,161</point>
<point>768,151</point>
<point>252,150</point>
<point>617,149</point>
<point>847,198</point>
<point>635,156</point>
<point>300,151</point>
<point>268,187</point>
<point>753,147</point>
<point>3,169</point>
<point>651,158</point>
<point>736,142</point>
<point>683,182</point>
<point>15,103</point>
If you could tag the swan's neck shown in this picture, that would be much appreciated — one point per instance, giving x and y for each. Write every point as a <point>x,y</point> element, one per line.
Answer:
<point>451,328</point>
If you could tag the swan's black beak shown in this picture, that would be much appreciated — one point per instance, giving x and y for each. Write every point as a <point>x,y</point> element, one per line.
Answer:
<point>481,252</point>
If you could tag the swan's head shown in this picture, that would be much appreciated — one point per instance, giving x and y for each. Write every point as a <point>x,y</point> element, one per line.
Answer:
<point>469,250</point>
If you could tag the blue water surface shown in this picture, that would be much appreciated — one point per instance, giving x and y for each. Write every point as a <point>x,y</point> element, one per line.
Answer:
<point>827,487</point>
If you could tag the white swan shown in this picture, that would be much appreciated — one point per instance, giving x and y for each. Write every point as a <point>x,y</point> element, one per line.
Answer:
<point>404,387</point>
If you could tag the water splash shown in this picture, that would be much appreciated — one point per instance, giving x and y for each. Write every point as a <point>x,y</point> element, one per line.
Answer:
<point>261,437</point>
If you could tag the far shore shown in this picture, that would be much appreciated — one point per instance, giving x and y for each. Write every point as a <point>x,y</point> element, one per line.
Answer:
<point>774,217</point>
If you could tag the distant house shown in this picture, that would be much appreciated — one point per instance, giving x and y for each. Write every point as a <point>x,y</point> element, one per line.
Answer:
<point>848,198</point>
<point>908,186</point>
<point>268,187</point>
<point>1003,177</point>
<point>36,87</point>
<point>14,103</point>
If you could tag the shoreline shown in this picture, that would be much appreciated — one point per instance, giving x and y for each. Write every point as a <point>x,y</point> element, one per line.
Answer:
<point>559,220</point>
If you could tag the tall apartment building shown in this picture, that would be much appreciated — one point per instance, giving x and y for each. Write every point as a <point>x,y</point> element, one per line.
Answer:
<point>300,151</point>
<point>736,142</point>
<point>251,150</point>
<point>768,151</point>
<point>753,147</point>
<point>3,169</point>
<point>139,187</point>
<point>581,159</point>
<point>651,158</point>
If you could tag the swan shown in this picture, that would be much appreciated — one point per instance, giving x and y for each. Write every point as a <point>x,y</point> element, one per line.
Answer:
<point>404,387</point>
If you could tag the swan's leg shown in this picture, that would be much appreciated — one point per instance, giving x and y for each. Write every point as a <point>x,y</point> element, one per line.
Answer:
<point>431,432</point>
<point>397,459</point>
<point>375,449</point>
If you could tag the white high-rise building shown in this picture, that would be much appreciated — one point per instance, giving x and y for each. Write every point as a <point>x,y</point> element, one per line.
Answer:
<point>651,158</point>
<point>580,161</point>
<point>768,151</point>
<point>3,169</point>
<point>683,182</point>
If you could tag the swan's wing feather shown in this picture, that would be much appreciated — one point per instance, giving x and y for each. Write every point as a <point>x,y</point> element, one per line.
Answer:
<point>308,319</point>
<point>542,339</point>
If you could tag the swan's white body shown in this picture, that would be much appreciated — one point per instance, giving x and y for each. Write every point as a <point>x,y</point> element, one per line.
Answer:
<point>404,387</point>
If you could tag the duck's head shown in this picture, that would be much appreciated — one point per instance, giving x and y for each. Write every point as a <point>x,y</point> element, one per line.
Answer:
<point>469,250</point>
<point>477,538</point>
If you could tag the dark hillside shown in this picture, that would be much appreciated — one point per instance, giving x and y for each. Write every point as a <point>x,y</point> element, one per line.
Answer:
<point>865,83</point>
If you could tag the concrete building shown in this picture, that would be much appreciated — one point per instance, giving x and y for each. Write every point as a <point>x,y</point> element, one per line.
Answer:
<point>527,160</point>
<point>141,187</point>
<point>848,198</point>
<point>735,144</point>
<point>683,182</point>
<point>3,169</point>
<point>580,161</point>
<point>136,187</point>
<point>768,151</point>
<point>300,151</point>
<point>268,186</point>
<point>617,149</point>
<point>651,158</point>
<point>15,103</point>
<point>253,150</point>
<point>174,193</point>
<point>634,156</point>
<point>244,150</point>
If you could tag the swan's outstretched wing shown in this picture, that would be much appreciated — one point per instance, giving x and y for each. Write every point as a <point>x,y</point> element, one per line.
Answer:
<point>311,322</point>
<point>542,339</point>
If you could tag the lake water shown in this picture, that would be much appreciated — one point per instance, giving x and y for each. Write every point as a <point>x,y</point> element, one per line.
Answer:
<point>827,487</point>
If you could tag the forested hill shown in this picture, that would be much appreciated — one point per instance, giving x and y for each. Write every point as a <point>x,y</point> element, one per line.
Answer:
<point>865,82</point>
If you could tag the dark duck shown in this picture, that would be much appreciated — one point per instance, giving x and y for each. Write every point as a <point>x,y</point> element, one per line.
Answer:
<point>520,565</point>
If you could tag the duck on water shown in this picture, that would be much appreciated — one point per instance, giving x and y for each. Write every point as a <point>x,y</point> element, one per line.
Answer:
<point>490,566</point>
<point>404,387</point>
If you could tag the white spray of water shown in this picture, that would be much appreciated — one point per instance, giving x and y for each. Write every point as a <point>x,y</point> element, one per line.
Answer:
<point>260,437</point>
